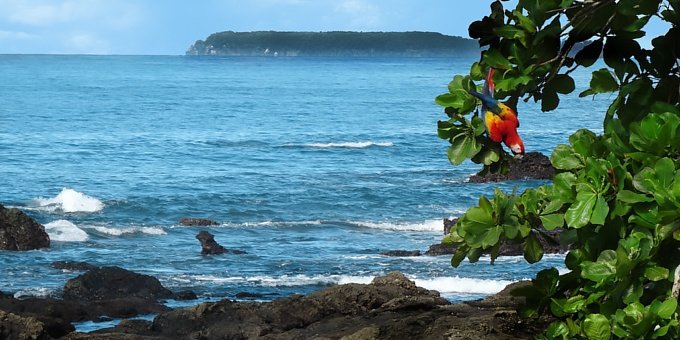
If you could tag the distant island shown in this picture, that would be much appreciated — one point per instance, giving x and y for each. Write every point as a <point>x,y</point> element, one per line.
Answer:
<point>359,44</point>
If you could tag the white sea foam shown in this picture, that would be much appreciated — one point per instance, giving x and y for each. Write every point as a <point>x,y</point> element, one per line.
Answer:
<point>69,201</point>
<point>349,145</point>
<point>271,223</point>
<point>130,230</point>
<point>444,285</point>
<point>286,280</point>
<point>455,284</point>
<point>430,225</point>
<point>33,292</point>
<point>65,231</point>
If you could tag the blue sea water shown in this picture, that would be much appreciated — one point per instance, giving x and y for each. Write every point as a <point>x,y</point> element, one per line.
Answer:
<point>313,166</point>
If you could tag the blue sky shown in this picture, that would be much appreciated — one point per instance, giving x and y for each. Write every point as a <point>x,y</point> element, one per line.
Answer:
<point>171,26</point>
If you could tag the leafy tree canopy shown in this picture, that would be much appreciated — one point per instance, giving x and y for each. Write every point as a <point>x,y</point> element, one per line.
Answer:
<point>616,196</point>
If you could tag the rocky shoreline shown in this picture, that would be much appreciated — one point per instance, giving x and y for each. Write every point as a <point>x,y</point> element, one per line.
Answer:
<point>390,307</point>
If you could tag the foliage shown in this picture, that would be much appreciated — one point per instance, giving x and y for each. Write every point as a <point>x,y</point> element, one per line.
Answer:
<point>616,195</point>
<point>333,43</point>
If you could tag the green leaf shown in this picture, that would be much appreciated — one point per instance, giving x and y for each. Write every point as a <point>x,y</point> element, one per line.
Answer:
<point>596,327</point>
<point>578,215</point>
<point>656,273</point>
<point>533,250</point>
<point>588,55</point>
<point>632,197</point>
<point>564,158</point>
<point>597,271</point>
<point>666,309</point>
<point>557,329</point>
<point>602,82</point>
<point>495,59</point>
<point>552,221</point>
<point>561,83</point>
<point>463,146</point>
<point>600,211</point>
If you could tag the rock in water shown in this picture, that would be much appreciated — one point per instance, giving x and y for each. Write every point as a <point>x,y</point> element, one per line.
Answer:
<point>191,221</point>
<point>114,282</point>
<point>534,165</point>
<point>20,232</point>
<point>208,244</point>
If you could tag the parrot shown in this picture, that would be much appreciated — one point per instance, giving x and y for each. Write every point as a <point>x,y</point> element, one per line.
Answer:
<point>500,120</point>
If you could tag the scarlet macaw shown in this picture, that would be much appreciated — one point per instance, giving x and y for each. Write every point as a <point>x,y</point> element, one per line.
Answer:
<point>500,120</point>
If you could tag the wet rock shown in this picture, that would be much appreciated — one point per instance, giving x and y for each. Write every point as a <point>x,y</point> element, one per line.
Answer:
<point>73,265</point>
<point>208,244</point>
<point>440,249</point>
<point>20,232</point>
<point>114,282</point>
<point>15,327</point>
<point>448,224</point>
<point>401,253</point>
<point>192,222</point>
<point>229,319</point>
<point>534,165</point>
<point>246,295</point>
<point>210,247</point>
<point>185,295</point>
<point>55,311</point>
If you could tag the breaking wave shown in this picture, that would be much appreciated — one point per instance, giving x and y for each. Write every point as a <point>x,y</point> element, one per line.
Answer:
<point>70,201</point>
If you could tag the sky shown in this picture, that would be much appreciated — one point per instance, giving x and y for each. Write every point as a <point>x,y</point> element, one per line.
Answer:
<point>169,27</point>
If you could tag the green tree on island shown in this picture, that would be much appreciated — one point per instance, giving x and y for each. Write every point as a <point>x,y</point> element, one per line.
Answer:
<point>616,196</point>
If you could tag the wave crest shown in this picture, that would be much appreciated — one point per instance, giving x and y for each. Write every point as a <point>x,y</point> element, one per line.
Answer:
<point>65,231</point>
<point>349,145</point>
<point>70,201</point>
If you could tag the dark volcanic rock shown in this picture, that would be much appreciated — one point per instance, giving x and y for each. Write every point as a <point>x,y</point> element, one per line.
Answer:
<point>72,265</point>
<point>391,307</point>
<point>533,165</point>
<point>210,247</point>
<point>401,253</point>
<point>185,295</point>
<point>57,314</point>
<point>287,318</point>
<point>15,327</point>
<point>114,282</point>
<point>448,224</point>
<point>191,221</point>
<point>208,244</point>
<point>20,232</point>
<point>440,249</point>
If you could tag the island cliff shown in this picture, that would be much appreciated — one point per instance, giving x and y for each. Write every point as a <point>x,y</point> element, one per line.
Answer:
<point>271,43</point>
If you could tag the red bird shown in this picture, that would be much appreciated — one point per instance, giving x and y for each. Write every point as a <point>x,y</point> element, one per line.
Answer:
<point>500,120</point>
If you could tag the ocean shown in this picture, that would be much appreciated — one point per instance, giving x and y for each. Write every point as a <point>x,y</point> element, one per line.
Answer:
<point>312,166</point>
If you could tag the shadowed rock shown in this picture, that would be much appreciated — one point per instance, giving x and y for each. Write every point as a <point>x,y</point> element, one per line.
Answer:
<point>401,253</point>
<point>191,221</point>
<point>18,327</point>
<point>208,244</point>
<point>114,282</point>
<point>534,165</point>
<point>210,247</point>
<point>20,232</point>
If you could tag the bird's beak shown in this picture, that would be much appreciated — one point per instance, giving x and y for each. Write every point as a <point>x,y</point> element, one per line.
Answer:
<point>519,156</point>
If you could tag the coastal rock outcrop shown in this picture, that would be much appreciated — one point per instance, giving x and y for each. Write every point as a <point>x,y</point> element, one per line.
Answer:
<point>18,231</point>
<point>16,327</point>
<point>106,283</point>
<point>534,165</point>
<point>210,247</point>
<point>192,221</point>
<point>391,307</point>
